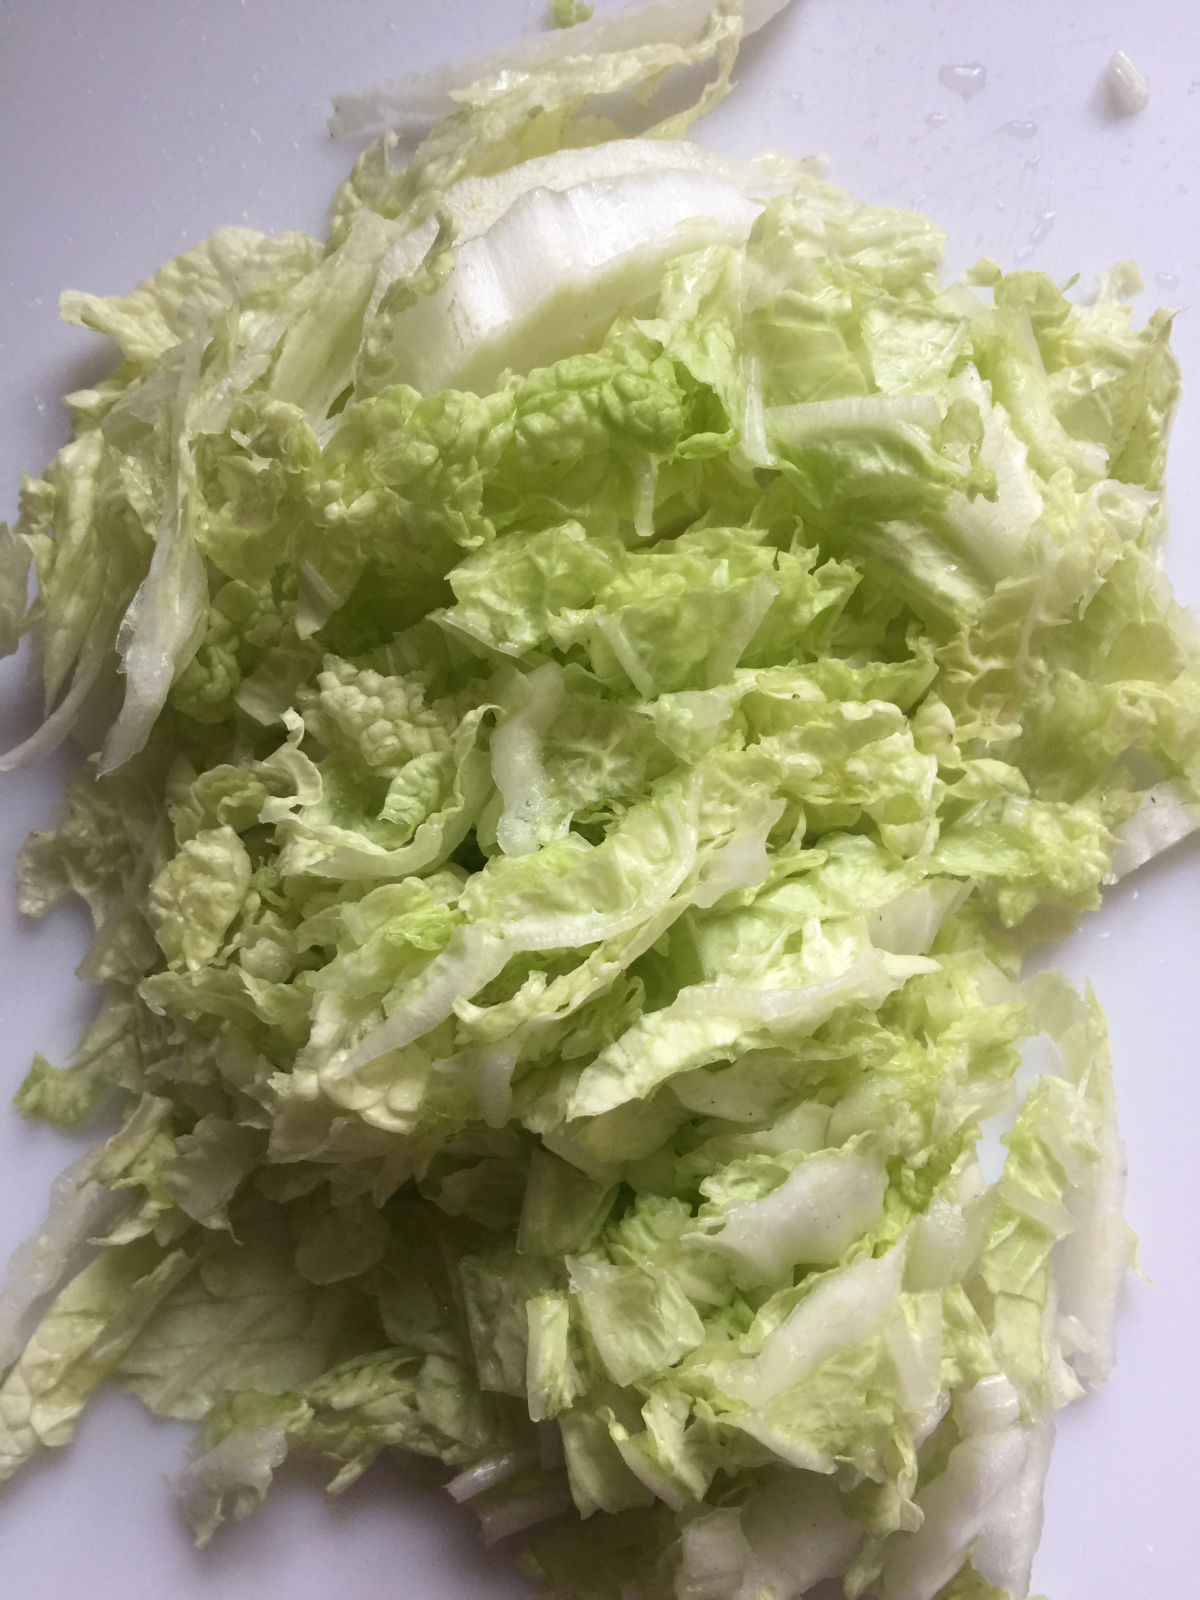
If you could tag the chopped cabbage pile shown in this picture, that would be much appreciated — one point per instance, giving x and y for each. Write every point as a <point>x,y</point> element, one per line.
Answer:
<point>596,675</point>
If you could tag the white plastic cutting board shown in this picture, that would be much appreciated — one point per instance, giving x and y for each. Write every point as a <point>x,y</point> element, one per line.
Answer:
<point>127,131</point>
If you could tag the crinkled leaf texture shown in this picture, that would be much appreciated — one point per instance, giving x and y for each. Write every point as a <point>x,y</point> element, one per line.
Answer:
<point>578,792</point>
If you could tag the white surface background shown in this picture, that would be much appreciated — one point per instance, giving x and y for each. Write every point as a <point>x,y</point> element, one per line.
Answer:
<point>130,129</point>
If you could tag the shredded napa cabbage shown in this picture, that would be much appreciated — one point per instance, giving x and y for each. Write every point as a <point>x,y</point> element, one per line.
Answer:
<point>611,666</point>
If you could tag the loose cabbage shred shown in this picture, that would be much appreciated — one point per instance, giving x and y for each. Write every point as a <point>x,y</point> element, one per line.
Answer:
<point>571,788</point>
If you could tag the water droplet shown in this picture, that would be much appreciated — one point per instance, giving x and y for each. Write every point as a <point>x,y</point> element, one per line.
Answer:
<point>1043,221</point>
<point>936,119</point>
<point>1167,280</point>
<point>1019,129</point>
<point>793,98</point>
<point>1000,206</point>
<point>1031,163</point>
<point>966,78</point>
